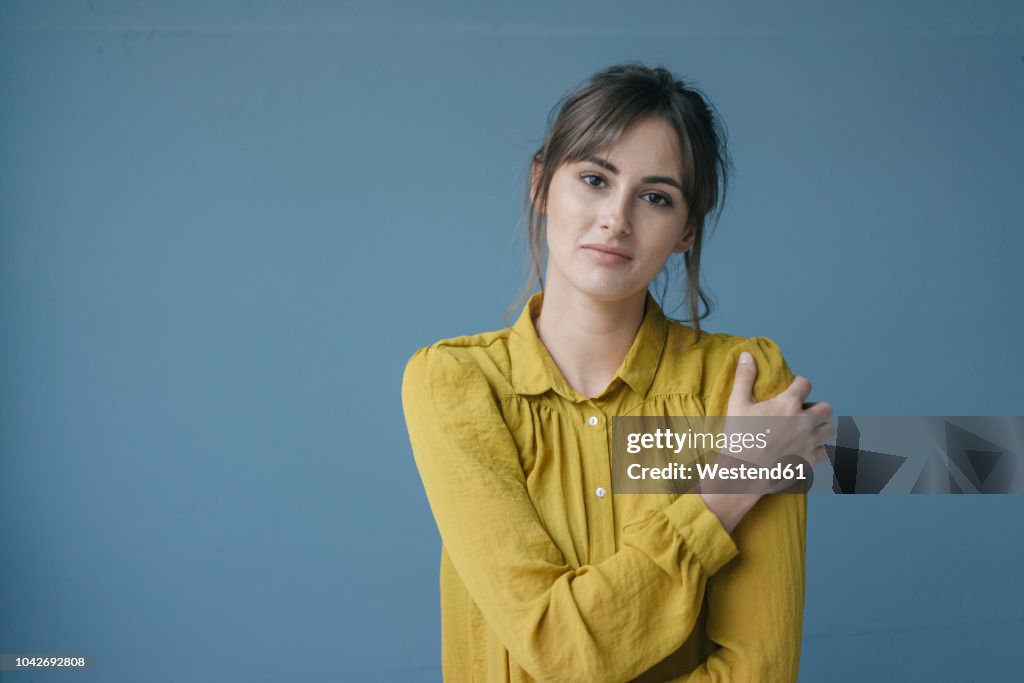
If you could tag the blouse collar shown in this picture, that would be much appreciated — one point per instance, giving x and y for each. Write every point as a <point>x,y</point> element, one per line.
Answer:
<point>534,371</point>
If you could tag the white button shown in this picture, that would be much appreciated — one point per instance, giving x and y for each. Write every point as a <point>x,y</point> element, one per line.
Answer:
<point>592,421</point>
<point>600,492</point>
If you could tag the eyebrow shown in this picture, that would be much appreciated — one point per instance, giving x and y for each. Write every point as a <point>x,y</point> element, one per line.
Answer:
<point>604,163</point>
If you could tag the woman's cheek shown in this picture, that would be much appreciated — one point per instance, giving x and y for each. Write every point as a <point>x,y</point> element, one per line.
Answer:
<point>580,204</point>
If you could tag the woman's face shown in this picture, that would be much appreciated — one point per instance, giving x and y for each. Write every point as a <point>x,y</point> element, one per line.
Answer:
<point>625,199</point>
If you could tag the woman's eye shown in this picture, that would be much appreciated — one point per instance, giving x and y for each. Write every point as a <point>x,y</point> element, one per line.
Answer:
<point>659,200</point>
<point>597,182</point>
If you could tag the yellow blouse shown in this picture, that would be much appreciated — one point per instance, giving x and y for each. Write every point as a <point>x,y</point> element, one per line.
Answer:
<point>547,574</point>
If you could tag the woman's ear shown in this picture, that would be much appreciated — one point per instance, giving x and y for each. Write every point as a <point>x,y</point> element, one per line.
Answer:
<point>685,240</point>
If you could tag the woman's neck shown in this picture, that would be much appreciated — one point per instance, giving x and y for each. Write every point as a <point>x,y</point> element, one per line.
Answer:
<point>588,339</point>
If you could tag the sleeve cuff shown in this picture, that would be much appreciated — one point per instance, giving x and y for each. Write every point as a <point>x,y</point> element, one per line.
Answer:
<point>701,531</point>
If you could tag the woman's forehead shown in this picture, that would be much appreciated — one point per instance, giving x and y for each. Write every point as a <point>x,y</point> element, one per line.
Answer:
<point>649,146</point>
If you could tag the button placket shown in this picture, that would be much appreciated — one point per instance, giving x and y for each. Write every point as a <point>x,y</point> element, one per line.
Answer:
<point>600,512</point>
<point>595,421</point>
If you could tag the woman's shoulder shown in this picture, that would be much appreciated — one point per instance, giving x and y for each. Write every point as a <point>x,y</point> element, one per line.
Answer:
<point>705,366</point>
<point>484,353</point>
<point>715,346</point>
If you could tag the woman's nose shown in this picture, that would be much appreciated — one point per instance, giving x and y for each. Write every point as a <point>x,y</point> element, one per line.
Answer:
<point>616,216</point>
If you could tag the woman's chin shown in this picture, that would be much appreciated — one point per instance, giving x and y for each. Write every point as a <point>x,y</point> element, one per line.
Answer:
<point>608,289</point>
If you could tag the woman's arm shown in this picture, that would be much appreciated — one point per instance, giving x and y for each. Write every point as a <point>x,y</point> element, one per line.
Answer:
<point>755,604</point>
<point>608,621</point>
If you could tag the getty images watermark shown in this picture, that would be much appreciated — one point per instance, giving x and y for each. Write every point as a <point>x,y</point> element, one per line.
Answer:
<point>868,455</point>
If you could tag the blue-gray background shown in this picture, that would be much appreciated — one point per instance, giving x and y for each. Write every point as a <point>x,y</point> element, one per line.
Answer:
<point>226,226</point>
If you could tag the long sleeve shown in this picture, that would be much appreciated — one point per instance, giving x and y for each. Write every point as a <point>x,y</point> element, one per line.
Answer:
<point>607,621</point>
<point>755,604</point>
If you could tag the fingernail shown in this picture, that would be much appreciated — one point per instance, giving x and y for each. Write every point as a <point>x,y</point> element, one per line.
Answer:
<point>745,358</point>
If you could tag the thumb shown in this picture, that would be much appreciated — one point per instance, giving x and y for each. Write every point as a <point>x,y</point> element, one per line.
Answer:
<point>743,384</point>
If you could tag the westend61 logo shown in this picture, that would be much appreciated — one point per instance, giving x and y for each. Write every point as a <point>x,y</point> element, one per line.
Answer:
<point>706,474</point>
<point>869,455</point>
<point>691,454</point>
<point>681,457</point>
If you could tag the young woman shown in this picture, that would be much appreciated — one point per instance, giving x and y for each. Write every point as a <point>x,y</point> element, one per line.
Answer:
<point>546,573</point>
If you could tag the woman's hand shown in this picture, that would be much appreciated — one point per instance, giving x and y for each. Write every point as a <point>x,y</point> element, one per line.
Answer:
<point>801,433</point>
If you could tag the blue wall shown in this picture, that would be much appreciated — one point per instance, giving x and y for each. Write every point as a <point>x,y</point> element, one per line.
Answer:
<point>224,229</point>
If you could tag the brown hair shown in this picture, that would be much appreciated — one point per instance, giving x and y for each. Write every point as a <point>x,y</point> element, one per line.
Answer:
<point>594,116</point>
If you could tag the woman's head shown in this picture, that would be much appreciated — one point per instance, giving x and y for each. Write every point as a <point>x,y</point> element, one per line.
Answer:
<point>592,120</point>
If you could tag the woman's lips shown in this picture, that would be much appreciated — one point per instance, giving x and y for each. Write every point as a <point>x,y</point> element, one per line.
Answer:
<point>604,255</point>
